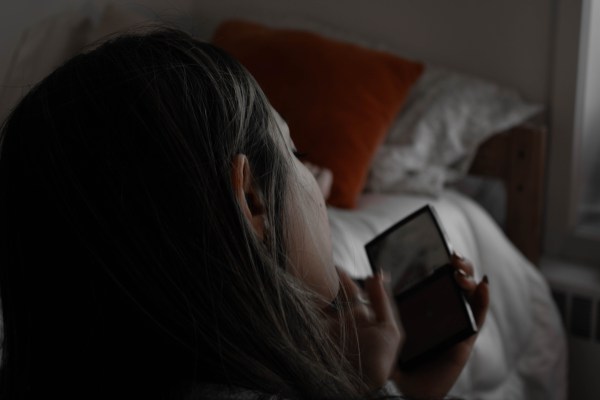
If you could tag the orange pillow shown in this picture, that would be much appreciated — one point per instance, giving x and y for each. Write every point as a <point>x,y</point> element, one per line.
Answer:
<point>338,99</point>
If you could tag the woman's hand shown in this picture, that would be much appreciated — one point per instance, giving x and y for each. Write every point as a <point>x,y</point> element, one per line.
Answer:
<point>377,330</point>
<point>323,176</point>
<point>435,377</point>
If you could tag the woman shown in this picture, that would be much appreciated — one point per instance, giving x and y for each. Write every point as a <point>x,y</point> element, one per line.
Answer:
<point>161,240</point>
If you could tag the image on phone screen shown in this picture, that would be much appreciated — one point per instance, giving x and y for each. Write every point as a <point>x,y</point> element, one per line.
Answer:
<point>410,249</point>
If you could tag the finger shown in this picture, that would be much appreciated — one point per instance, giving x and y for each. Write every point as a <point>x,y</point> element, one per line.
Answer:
<point>480,301</point>
<point>464,273</point>
<point>350,288</point>
<point>380,300</point>
<point>354,298</point>
<point>466,282</point>
<point>460,262</point>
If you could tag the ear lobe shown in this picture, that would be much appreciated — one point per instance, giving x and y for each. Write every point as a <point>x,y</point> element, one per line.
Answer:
<point>248,196</point>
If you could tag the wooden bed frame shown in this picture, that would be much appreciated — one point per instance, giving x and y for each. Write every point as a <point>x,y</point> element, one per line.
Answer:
<point>517,158</point>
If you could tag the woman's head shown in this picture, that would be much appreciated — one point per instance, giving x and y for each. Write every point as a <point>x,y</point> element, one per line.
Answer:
<point>154,224</point>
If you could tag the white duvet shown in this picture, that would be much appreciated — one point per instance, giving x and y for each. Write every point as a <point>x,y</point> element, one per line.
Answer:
<point>520,352</point>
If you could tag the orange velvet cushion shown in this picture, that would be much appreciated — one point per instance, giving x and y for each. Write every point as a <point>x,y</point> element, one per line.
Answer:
<point>338,99</point>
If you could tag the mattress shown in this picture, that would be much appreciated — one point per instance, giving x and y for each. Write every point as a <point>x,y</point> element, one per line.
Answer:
<point>520,352</point>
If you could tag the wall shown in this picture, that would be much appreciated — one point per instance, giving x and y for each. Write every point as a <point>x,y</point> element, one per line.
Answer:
<point>573,284</point>
<point>18,15</point>
<point>512,44</point>
<point>575,139</point>
<point>509,41</point>
<point>590,115</point>
<point>573,108</point>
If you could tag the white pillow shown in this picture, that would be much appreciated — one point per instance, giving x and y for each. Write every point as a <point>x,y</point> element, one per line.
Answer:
<point>436,135</point>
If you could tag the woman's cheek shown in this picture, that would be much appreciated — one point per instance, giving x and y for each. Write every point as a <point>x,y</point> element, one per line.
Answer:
<point>311,237</point>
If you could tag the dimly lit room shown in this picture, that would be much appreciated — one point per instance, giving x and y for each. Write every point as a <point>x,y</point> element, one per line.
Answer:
<point>248,199</point>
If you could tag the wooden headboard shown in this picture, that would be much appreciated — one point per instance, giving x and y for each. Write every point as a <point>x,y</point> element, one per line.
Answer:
<point>517,158</point>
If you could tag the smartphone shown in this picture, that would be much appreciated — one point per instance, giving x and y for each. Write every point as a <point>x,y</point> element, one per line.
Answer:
<point>433,310</point>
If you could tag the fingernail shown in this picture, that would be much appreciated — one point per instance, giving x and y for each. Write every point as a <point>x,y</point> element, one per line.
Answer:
<point>462,273</point>
<point>486,280</point>
<point>459,255</point>
<point>361,299</point>
<point>385,276</point>
<point>360,282</point>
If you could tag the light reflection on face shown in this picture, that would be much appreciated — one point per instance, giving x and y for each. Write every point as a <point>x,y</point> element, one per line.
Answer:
<point>309,235</point>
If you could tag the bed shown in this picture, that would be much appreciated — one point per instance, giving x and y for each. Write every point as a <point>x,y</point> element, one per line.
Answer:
<point>520,353</point>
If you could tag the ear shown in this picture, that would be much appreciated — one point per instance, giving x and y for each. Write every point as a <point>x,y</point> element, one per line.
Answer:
<point>247,194</point>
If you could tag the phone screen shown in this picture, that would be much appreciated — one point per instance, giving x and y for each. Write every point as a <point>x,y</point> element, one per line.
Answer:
<point>411,249</point>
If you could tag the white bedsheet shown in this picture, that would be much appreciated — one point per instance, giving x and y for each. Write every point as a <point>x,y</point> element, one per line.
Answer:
<point>521,351</point>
